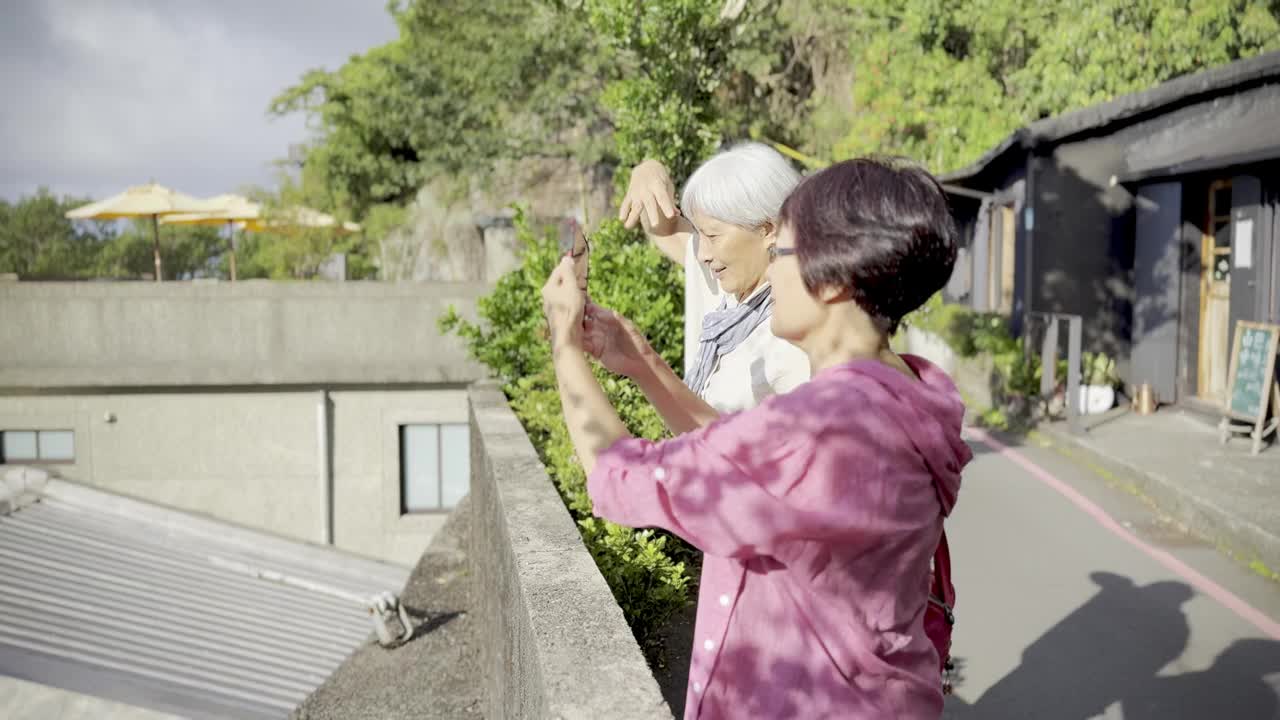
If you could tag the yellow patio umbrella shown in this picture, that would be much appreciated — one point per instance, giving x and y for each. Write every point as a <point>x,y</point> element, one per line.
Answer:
<point>229,209</point>
<point>149,200</point>
<point>300,216</point>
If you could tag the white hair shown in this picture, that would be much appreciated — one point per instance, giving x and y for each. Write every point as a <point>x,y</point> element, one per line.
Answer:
<point>744,186</point>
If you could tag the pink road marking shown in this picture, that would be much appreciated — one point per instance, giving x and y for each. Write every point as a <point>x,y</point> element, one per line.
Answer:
<point>1225,597</point>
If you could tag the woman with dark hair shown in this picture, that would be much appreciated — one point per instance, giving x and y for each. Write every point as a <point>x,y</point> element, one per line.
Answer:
<point>819,510</point>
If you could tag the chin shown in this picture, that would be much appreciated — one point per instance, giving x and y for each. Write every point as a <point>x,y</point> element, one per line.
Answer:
<point>776,328</point>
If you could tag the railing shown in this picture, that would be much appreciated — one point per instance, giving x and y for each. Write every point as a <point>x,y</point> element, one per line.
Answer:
<point>1050,344</point>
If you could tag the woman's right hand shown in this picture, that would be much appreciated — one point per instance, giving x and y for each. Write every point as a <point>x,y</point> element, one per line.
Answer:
<point>652,194</point>
<point>614,341</point>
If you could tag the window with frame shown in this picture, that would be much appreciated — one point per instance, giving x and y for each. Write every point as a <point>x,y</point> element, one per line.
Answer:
<point>435,466</point>
<point>37,446</point>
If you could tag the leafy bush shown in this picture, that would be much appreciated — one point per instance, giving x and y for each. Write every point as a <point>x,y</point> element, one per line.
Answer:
<point>970,333</point>
<point>647,570</point>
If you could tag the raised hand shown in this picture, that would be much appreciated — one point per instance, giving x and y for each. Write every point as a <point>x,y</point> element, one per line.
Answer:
<point>652,194</point>
<point>562,303</point>
<point>614,341</point>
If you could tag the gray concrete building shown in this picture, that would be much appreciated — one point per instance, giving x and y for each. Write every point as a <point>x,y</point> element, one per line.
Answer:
<point>331,413</point>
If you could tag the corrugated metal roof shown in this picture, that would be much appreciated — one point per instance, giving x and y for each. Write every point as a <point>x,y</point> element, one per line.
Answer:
<point>155,608</point>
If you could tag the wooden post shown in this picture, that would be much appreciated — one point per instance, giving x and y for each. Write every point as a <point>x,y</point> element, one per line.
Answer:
<point>155,234</point>
<point>1075,330</point>
<point>231,232</point>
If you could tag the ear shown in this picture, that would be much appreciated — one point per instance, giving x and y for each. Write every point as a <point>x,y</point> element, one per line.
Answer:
<point>769,230</point>
<point>831,294</point>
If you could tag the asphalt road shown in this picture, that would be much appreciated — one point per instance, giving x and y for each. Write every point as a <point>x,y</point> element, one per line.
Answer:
<point>1077,600</point>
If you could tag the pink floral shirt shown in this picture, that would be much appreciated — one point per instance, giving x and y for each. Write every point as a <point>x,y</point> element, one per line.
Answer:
<point>817,513</point>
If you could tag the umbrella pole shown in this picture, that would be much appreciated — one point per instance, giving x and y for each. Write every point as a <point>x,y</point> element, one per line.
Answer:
<point>231,234</point>
<point>155,234</point>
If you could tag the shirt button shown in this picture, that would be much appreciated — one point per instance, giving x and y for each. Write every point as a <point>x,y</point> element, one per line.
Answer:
<point>724,601</point>
<point>697,687</point>
<point>659,473</point>
<point>709,645</point>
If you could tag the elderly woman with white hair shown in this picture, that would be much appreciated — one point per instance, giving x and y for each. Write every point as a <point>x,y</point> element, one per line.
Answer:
<point>721,234</point>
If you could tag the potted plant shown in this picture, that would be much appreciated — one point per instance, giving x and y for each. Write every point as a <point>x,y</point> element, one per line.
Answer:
<point>1098,384</point>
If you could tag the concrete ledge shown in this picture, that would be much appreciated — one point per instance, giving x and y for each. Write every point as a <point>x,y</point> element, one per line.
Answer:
<point>553,642</point>
<point>134,334</point>
<point>1200,506</point>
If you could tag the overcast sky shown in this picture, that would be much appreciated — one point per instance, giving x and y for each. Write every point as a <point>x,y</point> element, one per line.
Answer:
<point>97,96</point>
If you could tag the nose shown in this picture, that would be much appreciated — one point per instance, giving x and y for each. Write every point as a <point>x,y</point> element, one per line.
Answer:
<point>702,250</point>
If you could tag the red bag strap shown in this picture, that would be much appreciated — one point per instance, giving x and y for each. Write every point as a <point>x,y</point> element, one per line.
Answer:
<point>942,588</point>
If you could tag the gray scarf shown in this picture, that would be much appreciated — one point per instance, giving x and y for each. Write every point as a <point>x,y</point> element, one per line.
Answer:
<point>724,329</point>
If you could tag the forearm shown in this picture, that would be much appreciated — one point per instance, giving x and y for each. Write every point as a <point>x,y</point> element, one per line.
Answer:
<point>671,239</point>
<point>592,422</point>
<point>680,408</point>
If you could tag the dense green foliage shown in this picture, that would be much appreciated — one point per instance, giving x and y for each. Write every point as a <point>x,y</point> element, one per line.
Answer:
<point>970,333</point>
<point>465,84</point>
<point>646,570</point>
<point>668,112</point>
<point>944,80</point>
<point>38,242</point>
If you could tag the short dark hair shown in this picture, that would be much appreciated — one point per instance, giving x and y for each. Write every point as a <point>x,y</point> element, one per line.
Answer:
<point>879,229</point>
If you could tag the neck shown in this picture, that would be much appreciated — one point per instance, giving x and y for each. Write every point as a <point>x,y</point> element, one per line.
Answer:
<point>742,296</point>
<point>847,334</point>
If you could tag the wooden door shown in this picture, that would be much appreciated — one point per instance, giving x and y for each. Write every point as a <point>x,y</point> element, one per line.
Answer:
<point>1215,293</point>
<point>1008,254</point>
<point>1001,259</point>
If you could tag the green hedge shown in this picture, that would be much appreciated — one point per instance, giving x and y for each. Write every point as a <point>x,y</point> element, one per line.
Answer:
<point>970,333</point>
<point>647,570</point>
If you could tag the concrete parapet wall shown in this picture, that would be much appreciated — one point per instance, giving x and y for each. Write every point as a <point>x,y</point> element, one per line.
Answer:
<point>258,332</point>
<point>553,643</point>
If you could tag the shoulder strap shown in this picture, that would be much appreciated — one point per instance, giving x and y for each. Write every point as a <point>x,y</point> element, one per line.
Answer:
<point>942,588</point>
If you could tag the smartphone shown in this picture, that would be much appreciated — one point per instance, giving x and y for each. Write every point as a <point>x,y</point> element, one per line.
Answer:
<point>574,243</point>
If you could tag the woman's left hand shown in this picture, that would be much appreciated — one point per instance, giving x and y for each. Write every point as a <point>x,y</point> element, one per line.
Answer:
<point>563,302</point>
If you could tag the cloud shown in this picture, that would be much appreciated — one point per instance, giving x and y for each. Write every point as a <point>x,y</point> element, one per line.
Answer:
<point>99,96</point>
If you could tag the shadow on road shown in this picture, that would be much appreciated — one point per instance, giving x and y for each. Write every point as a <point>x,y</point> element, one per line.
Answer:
<point>1109,650</point>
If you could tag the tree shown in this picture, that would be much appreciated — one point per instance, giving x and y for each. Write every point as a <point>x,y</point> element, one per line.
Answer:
<point>675,61</point>
<point>297,253</point>
<point>943,81</point>
<point>463,85</point>
<point>38,242</point>
<point>186,251</point>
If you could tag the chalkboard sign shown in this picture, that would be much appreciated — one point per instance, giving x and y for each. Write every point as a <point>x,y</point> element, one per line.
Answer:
<point>1251,383</point>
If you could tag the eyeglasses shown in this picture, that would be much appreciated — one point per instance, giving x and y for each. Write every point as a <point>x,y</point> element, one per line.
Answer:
<point>582,261</point>
<point>776,252</point>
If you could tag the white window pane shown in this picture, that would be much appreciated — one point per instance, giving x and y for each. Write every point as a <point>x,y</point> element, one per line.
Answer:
<point>420,467</point>
<point>19,445</point>
<point>57,445</point>
<point>455,444</point>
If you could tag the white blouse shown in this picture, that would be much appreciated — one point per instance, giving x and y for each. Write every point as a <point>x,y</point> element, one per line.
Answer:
<point>761,366</point>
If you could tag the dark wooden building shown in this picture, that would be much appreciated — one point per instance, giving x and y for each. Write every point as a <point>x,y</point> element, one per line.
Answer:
<point>1155,216</point>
